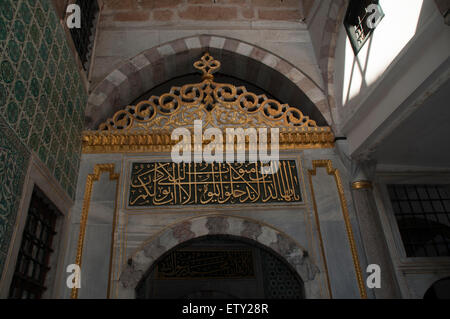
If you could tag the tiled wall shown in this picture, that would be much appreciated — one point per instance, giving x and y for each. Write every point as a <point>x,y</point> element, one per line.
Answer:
<point>42,103</point>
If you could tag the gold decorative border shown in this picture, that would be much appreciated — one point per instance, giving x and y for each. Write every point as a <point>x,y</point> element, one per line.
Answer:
<point>307,218</point>
<point>100,142</point>
<point>120,254</point>
<point>333,171</point>
<point>316,218</point>
<point>219,104</point>
<point>362,185</point>
<point>91,178</point>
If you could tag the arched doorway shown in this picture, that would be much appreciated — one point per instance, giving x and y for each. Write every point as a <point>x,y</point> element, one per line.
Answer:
<point>172,60</point>
<point>220,267</point>
<point>140,263</point>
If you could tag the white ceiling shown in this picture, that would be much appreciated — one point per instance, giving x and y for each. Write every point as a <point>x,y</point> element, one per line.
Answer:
<point>423,139</point>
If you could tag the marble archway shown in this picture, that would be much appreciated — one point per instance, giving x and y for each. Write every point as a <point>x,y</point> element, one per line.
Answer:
<point>220,267</point>
<point>166,61</point>
<point>152,249</point>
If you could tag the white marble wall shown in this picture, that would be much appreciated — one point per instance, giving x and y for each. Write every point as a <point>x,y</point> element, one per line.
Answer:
<point>136,227</point>
<point>97,242</point>
<point>336,241</point>
<point>119,42</point>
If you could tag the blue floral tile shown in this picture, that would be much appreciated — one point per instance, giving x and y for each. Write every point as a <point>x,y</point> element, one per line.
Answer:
<point>3,95</point>
<point>45,5</point>
<point>7,10</point>
<point>7,71</point>
<point>40,69</point>
<point>30,107</point>
<point>12,113</point>
<point>3,29</point>
<point>30,52</point>
<point>42,102</point>
<point>42,153</point>
<point>25,13</point>
<point>38,123</point>
<point>43,51</point>
<point>24,129</point>
<point>35,34</point>
<point>47,136</point>
<point>33,141</point>
<point>40,17</point>
<point>25,70</point>
<point>35,87</point>
<point>48,85</point>
<point>14,159</point>
<point>14,50</point>
<point>19,31</point>
<point>19,91</point>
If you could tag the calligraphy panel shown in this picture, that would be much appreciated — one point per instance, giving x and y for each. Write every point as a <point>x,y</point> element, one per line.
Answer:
<point>168,183</point>
<point>206,264</point>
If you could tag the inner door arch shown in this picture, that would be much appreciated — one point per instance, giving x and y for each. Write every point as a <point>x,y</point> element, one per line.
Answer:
<point>220,267</point>
<point>143,257</point>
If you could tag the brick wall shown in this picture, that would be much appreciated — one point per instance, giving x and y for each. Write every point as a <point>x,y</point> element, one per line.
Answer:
<point>204,10</point>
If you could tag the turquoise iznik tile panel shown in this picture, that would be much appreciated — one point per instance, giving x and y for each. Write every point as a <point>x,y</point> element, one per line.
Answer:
<point>42,98</point>
<point>13,165</point>
<point>41,95</point>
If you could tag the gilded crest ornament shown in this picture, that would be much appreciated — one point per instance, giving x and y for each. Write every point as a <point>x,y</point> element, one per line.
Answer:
<point>147,125</point>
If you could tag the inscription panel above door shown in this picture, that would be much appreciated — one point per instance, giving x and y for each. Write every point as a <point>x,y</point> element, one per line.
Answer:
<point>171,184</point>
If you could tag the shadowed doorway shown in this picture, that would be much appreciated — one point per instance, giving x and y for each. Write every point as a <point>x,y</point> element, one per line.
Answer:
<point>220,267</point>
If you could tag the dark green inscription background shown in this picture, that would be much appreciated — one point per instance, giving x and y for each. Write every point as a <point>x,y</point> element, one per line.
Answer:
<point>167,183</point>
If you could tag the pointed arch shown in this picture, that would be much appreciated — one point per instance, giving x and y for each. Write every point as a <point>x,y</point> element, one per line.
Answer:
<point>264,234</point>
<point>161,63</point>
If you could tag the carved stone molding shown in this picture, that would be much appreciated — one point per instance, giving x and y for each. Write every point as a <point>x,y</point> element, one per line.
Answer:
<point>170,237</point>
<point>147,126</point>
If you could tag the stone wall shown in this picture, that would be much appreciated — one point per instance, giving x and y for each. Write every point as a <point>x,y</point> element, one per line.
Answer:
<point>127,28</point>
<point>174,59</point>
<point>42,102</point>
<point>143,234</point>
<point>203,10</point>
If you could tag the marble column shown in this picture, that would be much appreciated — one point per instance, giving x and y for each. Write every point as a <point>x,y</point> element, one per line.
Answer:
<point>374,240</point>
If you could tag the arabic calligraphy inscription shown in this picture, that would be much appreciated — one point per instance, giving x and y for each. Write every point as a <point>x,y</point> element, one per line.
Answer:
<point>168,183</point>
